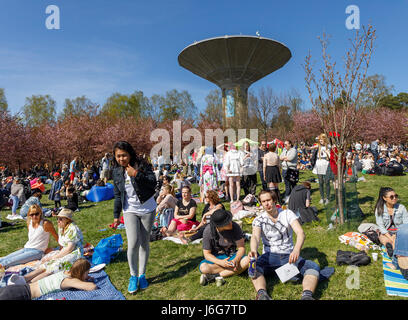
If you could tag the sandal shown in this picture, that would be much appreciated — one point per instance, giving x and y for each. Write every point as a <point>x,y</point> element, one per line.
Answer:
<point>390,250</point>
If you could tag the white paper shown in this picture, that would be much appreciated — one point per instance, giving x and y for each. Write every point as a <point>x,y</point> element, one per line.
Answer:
<point>97,268</point>
<point>286,272</point>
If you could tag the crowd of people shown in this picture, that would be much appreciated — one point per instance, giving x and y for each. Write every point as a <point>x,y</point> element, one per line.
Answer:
<point>149,198</point>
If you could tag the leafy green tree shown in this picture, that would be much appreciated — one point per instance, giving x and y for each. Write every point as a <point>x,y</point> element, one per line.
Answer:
<point>374,90</point>
<point>397,102</point>
<point>213,111</point>
<point>282,122</point>
<point>77,107</point>
<point>3,101</point>
<point>175,104</point>
<point>123,106</point>
<point>39,109</point>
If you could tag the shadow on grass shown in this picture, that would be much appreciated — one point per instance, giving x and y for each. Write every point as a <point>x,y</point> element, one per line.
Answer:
<point>86,207</point>
<point>6,226</point>
<point>314,253</point>
<point>365,199</point>
<point>185,267</point>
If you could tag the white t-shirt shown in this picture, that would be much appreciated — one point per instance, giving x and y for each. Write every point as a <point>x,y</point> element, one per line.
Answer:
<point>276,237</point>
<point>132,203</point>
<point>105,163</point>
<point>368,164</point>
<point>322,162</point>
<point>233,161</point>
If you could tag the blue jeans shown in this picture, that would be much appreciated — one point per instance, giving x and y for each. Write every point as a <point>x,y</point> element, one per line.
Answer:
<point>267,263</point>
<point>21,256</point>
<point>401,244</point>
<point>16,201</point>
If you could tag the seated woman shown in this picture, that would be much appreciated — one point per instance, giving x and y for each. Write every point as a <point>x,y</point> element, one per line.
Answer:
<point>180,180</point>
<point>72,198</point>
<point>390,215</point>
<point>77,278</point>
<point>176,181</point>
<point>71,241</point>
<point>39,230</point>
<point>165,200</point>
<point>213,204</point>
<point>368,163</point>
<point>184,214</point>
<point>223,248</point>
<point>36,195</point>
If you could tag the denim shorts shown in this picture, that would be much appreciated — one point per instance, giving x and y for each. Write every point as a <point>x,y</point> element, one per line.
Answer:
<point>401,244</point>
<point>267,263</point>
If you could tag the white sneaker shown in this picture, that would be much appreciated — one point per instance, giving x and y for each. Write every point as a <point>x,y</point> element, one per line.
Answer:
<point>326,201</point>
<point>18,217</point>
<point>321,201</point>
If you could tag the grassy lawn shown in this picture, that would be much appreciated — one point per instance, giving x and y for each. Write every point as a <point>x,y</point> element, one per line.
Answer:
<point>173,272</point>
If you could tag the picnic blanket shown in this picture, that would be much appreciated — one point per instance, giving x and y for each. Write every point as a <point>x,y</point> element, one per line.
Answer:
<point>105,291</point>
<point>395,283</point>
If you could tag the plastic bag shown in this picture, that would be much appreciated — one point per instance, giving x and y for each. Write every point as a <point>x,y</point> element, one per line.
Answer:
<point>357,240</point>
<point>236,206</point>
<point>106,249</point>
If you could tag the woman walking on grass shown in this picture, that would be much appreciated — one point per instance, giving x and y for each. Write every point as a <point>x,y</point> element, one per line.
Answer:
<point>134,187</point>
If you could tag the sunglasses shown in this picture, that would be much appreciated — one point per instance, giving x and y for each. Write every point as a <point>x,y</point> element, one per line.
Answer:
<point>393,196</point>
<point>35,214</point>
<point>60,219</point>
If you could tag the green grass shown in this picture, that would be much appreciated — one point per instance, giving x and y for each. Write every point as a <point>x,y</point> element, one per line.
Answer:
<point>172,269</point>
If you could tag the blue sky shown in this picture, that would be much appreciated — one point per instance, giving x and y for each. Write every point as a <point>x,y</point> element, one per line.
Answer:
<point>126,45</point>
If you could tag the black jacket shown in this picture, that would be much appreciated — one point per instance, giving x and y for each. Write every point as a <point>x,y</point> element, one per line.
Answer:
<point>144,184</point>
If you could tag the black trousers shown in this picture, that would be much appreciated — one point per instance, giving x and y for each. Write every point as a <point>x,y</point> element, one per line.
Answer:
<point>248,183</point>
<point>15,292</point>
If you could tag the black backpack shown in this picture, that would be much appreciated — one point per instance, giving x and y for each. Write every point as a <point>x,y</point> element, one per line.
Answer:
<point>352,258</point>
<point>155,234</point>
<point>373,235</point>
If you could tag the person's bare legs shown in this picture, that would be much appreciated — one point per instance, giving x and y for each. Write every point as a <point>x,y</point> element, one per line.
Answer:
<point>259,283</point>
<point>310,282</point>
<point>168,232</point>
<point>238,187</point>
<point>231,188</point>
<point>208,268</point>
<point>384,240</point>
<point>36,275</point>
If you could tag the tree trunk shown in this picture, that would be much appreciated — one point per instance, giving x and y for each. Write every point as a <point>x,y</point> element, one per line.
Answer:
<point>340,182</point>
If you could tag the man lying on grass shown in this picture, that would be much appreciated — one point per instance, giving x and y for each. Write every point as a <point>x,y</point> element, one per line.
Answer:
<point>276,227</point>
<point>223,248</point>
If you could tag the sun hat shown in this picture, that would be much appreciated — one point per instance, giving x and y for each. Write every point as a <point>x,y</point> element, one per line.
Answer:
<point>221,218</point>
<point>66,213</point>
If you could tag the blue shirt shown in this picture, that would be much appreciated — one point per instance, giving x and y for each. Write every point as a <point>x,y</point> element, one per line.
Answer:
<point>72,166</point>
